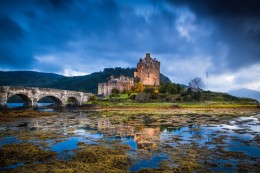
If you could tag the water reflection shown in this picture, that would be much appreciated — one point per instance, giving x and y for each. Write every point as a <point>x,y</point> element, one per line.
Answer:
<point>237,135</point>
<point>143,136</point>
<point>17,105</point>
<point>147,137</point>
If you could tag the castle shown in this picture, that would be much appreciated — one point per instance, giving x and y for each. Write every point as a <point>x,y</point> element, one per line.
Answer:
<point>147,72</point>
<point>121,83</point>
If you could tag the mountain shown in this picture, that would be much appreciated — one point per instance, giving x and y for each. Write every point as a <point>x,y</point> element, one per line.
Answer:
<point>28,78</point>
<point>87,83</point>
<point>246,93</point>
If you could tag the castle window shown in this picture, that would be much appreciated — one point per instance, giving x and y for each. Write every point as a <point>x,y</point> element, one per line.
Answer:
<point>148,75</point>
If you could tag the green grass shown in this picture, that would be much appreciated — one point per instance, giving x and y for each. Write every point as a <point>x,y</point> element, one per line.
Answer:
<point>129,104</point>
<point>217,105</point>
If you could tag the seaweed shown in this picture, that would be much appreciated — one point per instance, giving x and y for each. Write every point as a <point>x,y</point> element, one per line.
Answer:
<point>26,153</point>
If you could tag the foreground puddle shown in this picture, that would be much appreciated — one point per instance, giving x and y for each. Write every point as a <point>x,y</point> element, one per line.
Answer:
<point>234,146</point>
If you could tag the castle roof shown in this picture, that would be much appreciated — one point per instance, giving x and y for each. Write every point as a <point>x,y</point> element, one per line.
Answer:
<point>148,58</point>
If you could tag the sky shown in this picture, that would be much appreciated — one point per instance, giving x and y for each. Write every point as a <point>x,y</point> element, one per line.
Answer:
<point>189,37</point>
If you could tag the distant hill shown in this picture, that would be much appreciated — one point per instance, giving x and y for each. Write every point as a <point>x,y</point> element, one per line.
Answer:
<point>28,78</point>
<point>247,93</point>
<point>87,83</point>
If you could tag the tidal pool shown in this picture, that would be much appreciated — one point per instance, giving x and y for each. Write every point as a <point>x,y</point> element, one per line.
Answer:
<point>230,147</point>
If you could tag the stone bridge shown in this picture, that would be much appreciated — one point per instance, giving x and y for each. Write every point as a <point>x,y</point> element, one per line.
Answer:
<point>31,95</point>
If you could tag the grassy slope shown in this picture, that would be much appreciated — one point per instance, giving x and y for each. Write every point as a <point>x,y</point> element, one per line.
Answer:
<point>122,101</point>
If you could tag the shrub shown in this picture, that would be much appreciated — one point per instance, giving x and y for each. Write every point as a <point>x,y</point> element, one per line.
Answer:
<point>132,96</point>
<point>92,98</point>
<point>115,91</point>
<point>142,97</point>
<point>168,98</point>
<point>124,91</point>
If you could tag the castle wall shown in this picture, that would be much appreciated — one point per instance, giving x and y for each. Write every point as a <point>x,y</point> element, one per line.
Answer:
<point>148,71</point>
<point>122,83</point>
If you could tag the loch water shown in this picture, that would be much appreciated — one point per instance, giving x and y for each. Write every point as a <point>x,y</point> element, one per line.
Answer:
<point>238,135</point>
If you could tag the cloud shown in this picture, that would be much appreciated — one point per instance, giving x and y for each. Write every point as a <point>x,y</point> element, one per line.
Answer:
<point>182,70</point>
<point>13,46</point>
<point>80,37</point>
<point>236,24</point>
<point>245,78</point>
<point>69,72</point>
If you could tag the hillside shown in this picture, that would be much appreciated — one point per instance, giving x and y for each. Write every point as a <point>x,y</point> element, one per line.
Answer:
<point>88,83</point>
<point>246,93</point>
<point>28,78</point>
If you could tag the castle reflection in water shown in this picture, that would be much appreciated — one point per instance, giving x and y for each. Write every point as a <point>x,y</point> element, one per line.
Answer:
<point>143,136</point>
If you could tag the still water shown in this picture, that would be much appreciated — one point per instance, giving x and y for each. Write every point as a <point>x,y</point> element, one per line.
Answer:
<point>149,144</point>
<point>44,107</point>
<point>16,105</point>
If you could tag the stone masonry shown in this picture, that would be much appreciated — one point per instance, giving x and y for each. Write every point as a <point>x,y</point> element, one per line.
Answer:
<point>31,95</point>
<point>121,83</point>
<point>148,71</point>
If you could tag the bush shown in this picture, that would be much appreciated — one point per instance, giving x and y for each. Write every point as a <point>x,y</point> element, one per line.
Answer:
<point>115,91</point>
<point>197,96</point>
<point>142,97</point>
<point>168,98</point>
<point>154,96</point>
<point>92,98</point>
<point>132,96</point>
<point>124,91</point>
<point>178,99</point>
<point>149,90</point>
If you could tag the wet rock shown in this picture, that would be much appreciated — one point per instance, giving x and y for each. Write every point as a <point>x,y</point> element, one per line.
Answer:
<point>23,125</point>
<point>257,139</point>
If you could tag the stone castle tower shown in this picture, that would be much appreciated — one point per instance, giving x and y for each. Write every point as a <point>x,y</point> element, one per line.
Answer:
<point>148,71</point>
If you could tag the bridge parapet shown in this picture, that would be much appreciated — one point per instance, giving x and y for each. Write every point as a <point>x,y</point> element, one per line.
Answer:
<point>31,95</point>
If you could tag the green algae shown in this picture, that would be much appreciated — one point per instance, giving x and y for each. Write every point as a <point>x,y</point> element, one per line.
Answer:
<point>26,153</point>
<point>102,159</point>
<point>12,115</point>
<point>39,135</point>
<point>98,154</point>
<point>91,159</point>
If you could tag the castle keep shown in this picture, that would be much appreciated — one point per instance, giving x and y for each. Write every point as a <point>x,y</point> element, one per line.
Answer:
<point>148,71</point>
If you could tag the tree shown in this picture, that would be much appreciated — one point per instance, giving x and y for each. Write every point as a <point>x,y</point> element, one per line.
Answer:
<point>115,91</point>
<point>196,84</point>
<point>179,88</point>
<point>138,87</point>
<point>170,88</point>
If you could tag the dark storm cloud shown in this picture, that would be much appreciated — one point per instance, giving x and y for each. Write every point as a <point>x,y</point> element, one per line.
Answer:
<point>237,25</point>
<point>13,50</point>
<point>223,8</point>
<point>188,37</point>
<point>108,30</point>
<point>10,30</point>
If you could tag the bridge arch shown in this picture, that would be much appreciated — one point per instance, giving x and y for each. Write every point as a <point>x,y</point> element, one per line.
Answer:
<point>56,101</point>
<point>31,95</point>
<point>27,102</point>
<point>72,101</point>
